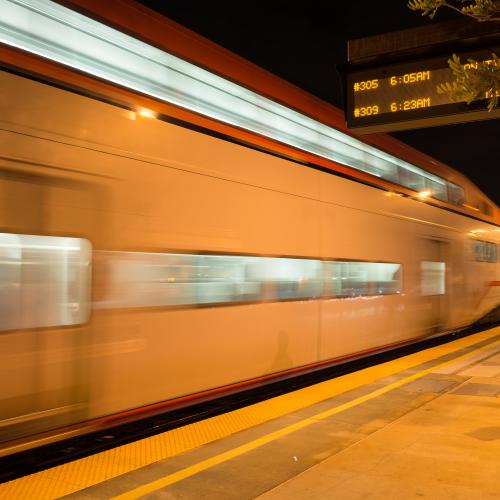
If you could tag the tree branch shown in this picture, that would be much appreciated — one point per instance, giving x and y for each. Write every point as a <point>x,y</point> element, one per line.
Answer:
<point>474,81</point>
<point>481,10</point>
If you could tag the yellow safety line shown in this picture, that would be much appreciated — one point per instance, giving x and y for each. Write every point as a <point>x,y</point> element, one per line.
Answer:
<point>86,472</point>
<point>252,445</point>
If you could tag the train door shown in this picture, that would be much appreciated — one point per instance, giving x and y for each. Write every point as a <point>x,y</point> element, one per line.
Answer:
<point>433,270</point>
<point>45,279</point>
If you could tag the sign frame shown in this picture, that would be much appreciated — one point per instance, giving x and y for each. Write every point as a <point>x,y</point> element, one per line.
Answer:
<point>419,110</point>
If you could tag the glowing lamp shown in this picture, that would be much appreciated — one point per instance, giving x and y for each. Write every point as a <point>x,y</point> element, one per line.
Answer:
<point>147,113</point>
<point>424,194</point>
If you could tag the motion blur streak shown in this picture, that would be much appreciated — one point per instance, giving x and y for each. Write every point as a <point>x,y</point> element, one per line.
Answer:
<point>139,279</point>
<point>149,263</point>
<point>53,31</point>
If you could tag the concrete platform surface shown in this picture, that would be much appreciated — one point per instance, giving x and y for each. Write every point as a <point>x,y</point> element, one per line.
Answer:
<point>448,448</point>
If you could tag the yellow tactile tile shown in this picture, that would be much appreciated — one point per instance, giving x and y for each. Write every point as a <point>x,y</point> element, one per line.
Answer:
<point>74,476</point>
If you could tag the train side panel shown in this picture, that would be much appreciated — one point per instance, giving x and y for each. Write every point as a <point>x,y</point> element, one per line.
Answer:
<point>136,189</point>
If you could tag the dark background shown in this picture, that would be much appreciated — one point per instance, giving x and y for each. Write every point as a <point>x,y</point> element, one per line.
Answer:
<point>304,42</point>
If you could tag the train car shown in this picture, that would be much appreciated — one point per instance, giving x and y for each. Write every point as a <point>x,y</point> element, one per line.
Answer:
<point>178,224</point>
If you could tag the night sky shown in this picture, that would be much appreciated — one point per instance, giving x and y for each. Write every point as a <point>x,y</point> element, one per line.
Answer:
<point>304,42</point>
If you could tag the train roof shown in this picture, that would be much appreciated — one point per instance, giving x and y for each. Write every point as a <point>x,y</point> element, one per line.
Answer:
<point>280,99</point>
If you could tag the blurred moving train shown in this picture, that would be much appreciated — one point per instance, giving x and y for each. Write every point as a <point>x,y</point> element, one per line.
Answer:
<point>239,236</point>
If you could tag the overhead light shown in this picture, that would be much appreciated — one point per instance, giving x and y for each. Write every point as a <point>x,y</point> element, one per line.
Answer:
<point>147,113</point>
<point>424,194</point>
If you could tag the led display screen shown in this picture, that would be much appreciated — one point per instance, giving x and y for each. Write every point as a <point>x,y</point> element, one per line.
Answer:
<point>392,97</point>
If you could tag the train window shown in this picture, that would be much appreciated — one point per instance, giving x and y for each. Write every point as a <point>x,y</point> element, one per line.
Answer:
<point>485,251</point>
<point>412,179</point>
<point>285,278</point>
<point>419,180</point>
<point>490,252</point>
<point>486,208</point>
<point>456,194</point>
<point>433,277</point>
<point>136,279</point>
<point>478,250</point>
<point>44,281</point>
<point>380,168</point>
<point>438,189</point>
<point>354,279</point>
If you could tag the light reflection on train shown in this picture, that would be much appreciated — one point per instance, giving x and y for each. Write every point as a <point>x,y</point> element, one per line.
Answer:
<point>158,263</point>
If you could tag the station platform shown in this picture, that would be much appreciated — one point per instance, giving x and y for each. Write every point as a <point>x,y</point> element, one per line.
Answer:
<point>424,425</point>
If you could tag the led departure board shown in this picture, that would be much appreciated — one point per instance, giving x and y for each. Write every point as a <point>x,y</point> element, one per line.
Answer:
<point>402,96</point>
